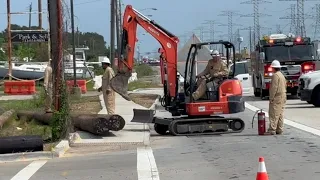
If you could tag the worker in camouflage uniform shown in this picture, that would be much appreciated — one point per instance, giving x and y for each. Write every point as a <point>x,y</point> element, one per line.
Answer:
<point>277,99</point>
<point>107,91</point>
<point>48,87</point>
<point>214,69</point>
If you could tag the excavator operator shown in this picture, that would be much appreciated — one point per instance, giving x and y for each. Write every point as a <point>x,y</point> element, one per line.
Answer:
<point>214,70</point>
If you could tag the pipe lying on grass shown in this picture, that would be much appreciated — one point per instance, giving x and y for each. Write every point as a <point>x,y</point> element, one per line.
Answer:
<point>97,124</point>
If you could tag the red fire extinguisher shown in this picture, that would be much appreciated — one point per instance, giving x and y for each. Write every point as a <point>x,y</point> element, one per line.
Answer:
<point>261,122</point>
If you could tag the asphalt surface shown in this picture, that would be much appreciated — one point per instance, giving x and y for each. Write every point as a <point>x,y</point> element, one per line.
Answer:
<point>294,156</point>
<point>295,110</point>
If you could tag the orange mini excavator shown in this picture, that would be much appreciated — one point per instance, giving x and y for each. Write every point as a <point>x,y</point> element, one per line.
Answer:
<point>188,117</point>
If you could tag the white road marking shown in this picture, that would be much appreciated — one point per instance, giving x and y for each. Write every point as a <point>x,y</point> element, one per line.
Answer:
<point>146,164</point>
<point>29,171</point>
<point>289,122</point>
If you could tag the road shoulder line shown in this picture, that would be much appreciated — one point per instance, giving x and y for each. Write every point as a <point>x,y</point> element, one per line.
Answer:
<point>146,164</point>
<point>288,122</point>
<point>27,172</point>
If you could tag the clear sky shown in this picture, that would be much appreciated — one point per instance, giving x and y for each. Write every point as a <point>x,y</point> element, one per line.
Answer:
<point>178,16</point>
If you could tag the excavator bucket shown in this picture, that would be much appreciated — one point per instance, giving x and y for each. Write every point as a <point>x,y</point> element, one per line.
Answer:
<point>119,83</point>
<point>143,115</point>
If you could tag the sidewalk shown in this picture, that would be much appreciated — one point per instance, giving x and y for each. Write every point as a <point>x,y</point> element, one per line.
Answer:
<point>133,133</point>
<point>15,97</point>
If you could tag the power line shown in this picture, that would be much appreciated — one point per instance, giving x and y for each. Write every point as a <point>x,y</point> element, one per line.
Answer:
<point>293,18</point>
<point>250,29</point>
<point>300,17</point>
<point>256,17</point>
<point>212,30</point>
<point>278,28</point>
<point>230,15</point>
<point>317,19</point>
<point>200,29</point>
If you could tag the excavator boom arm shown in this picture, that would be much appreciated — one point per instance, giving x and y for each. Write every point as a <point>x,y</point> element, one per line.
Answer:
<point>168,41</point>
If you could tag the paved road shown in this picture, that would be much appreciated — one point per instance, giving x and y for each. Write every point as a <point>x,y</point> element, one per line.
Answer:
<point>294,156</point>
<point>296,110</point>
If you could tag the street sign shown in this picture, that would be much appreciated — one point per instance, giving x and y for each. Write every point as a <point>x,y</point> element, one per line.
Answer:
<point>30,37</point>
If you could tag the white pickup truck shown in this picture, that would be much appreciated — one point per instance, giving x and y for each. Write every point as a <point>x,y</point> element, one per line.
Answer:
<point>309,88</point>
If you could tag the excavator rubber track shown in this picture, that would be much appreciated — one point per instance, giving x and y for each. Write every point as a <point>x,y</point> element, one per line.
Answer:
<point>202,126</point>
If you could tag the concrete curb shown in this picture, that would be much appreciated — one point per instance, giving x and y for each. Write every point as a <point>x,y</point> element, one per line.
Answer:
<point>58,151</point>
<point>76,141</point>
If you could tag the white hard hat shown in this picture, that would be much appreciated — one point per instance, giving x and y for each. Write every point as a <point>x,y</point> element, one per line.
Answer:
<point>106,60</point>
<point>275,64</point>
<point>215,53</point>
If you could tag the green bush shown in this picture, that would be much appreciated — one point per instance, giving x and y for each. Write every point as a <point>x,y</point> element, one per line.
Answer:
<point>143,70</point>
<point>141,84</point>
<point>61,121</point>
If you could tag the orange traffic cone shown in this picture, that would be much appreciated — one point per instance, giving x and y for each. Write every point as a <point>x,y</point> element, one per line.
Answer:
<point>262,171</point>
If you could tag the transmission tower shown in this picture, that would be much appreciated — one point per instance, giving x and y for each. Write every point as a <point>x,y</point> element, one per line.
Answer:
<point>300,17</point>
<point>212,30</point>
<point>230,24</point>
<point>317,19</point>
<point>250,29</point>
<point>266,30</point>
<point>293,18</point>
<point>256,17</point>
<point>200,31</point>
<point>278,29</point>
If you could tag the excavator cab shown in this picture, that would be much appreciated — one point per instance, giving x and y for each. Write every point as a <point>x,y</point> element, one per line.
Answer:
<point>212,84</point>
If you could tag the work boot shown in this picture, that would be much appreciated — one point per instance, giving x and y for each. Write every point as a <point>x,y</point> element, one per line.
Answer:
<point>270,133</point>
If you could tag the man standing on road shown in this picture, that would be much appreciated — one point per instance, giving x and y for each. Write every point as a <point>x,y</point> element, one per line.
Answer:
<point>215,68</point>
<point>277,99</point>
<point>108,93</point>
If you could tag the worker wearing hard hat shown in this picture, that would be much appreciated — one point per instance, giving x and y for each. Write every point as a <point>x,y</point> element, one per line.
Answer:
<point>214,69</point>
<point>277,99</point>
<point>108,93</point>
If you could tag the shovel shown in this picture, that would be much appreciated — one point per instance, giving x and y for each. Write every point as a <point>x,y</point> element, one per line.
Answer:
<point>119,83</point>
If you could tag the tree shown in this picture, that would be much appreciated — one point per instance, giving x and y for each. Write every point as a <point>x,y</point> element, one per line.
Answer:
<point>39,51</point>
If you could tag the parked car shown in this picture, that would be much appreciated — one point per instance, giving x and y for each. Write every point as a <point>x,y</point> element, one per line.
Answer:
<point>242,73</point>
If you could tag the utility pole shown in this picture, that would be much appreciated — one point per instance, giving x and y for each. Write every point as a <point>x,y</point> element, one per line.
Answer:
<point>256,18</point>
<point>117,27</point>
<point>251,48</point>
<point>56,23</point>
<point>317,19</point>
<point>73,46</point>
<point>78,37</point>
<point>230,15</point>
<point>292,16</point>
<point>40,13</point>
<point>30,22</point>
<point>120,15</point>
<point>66,41</point>
<point>112,29</point>
<point>300,17</point>
<point>212,30</point>
<point>278,29</point>
<point>201,32</point>
<point>9,45</point>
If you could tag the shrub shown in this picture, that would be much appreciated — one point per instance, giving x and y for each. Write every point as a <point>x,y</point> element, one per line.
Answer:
<point>143,70</point>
